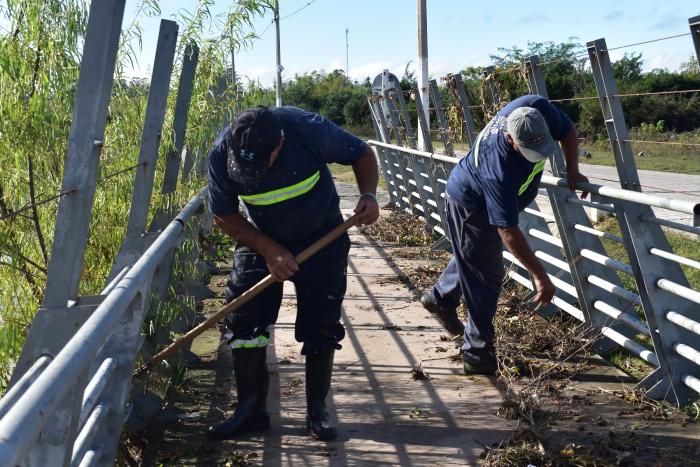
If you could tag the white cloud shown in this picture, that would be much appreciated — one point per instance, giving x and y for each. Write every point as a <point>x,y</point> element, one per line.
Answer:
<point>670,61</point>
<point>372,69</point>
<point>264,74</point>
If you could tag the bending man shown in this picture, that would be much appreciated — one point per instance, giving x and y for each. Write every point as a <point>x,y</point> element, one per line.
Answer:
<point>275,161</point>
<point>485,193</point>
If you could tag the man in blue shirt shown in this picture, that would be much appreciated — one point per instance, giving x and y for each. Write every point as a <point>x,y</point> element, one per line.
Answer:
<point>485,192</point>
<point>275,162</point>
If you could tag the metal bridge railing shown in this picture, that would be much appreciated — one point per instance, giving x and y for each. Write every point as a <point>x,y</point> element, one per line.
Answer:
<point>99,357</point>
<point>656,315</point>
<point>619,314</point>
<point>67,400</point>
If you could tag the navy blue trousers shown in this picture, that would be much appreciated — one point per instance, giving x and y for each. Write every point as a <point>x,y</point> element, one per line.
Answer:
<point>475,272</point>
<point>320,287</point>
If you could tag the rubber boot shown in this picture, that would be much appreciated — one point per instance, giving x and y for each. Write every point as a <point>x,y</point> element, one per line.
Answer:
<point>252,383</point>
<point>447,317</point>
<point>319,368</point>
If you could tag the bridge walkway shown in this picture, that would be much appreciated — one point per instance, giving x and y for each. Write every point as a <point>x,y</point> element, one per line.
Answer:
<point>388,413</point>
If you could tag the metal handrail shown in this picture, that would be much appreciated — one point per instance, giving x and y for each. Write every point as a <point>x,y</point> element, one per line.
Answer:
<point>24,421</point>
<point>684,206</point>
<point>607,306</point>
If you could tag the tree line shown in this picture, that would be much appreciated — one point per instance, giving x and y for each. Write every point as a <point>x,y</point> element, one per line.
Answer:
<point>567,76</point>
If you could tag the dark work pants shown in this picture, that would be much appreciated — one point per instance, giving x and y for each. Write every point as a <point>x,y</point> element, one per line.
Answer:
<point>475,271</point>
<point>320,287</point>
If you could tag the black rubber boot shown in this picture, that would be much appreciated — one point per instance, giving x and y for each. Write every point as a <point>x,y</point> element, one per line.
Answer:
<point>448,318</point>
<point>252,383</point>
<point>319,368</point>
<point>480,361</point>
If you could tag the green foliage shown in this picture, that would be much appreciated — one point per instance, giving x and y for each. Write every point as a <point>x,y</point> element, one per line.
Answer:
<point>332,95</point>
<point>39,67</point>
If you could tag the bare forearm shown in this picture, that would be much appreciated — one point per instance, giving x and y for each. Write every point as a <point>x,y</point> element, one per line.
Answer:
<point>366,172</point>
<point>238,228</point>
<point>515,242</point>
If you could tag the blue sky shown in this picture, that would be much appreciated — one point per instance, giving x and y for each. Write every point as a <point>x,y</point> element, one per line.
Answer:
<point>460,33</point>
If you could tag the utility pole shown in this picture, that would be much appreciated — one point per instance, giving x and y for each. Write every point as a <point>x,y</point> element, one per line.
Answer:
<point>347,53</point>
<point>423,68</point>
<point>278,83</point>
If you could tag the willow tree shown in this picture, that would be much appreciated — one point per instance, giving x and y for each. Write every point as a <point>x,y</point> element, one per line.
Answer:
<point>40,49</point>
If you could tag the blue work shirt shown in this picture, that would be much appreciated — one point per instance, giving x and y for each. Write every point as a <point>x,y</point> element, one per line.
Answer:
<point>297,196</point>
<point>496,177</point>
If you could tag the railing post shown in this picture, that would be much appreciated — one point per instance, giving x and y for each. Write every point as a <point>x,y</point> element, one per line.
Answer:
<point>694,24</point>
<point>567,216</point>
<point>379,152</point>
<point>494,95</point>
<point>182,106</point>
<point>388,104</point>
<point>385,158</point>
<point>612,114</point>
<point>408,126</point>
<point>430,165</point>
<point>83,156</point>
<point>640,236</point>
<point>423,124</point>
<point>378,118</point>
<point>55,323</point>
<point>402,160</point>
<point>152,128</point>
<point>433,168</point>
<point>377,131</point>
<point>440,114</point>
<point>458,86</point>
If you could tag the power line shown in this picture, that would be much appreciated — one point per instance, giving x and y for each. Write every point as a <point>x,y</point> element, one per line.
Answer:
<point>38,203</point>
<point>310,2</point>
<point>646,42</point>
<point>683,91</point>
<point>119,172</point>
<point>580,98</point>
<point>31,205</point>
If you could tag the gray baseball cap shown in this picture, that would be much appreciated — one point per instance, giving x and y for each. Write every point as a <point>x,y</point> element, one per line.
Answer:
<point>529,130</point>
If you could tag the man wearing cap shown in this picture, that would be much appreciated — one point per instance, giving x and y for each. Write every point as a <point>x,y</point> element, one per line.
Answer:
<point>485,192</point>
<point>275,161</point>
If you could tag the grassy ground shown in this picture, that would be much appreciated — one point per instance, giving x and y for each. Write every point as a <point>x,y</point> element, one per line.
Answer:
<point>344,174</point>
<point>679,159</point>
<point>682,245</point>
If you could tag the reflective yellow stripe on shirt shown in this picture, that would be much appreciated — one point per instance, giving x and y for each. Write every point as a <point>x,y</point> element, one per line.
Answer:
<point>283,194</point>
<point>539,167</point>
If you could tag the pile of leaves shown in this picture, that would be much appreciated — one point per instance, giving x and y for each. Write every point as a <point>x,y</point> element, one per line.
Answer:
<point>401,228</point>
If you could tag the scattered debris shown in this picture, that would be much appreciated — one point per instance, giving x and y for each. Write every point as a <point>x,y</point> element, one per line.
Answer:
<point>291,390</point>
<point>417,373</point>
<point>240,458</point>
<point>417,414</point>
